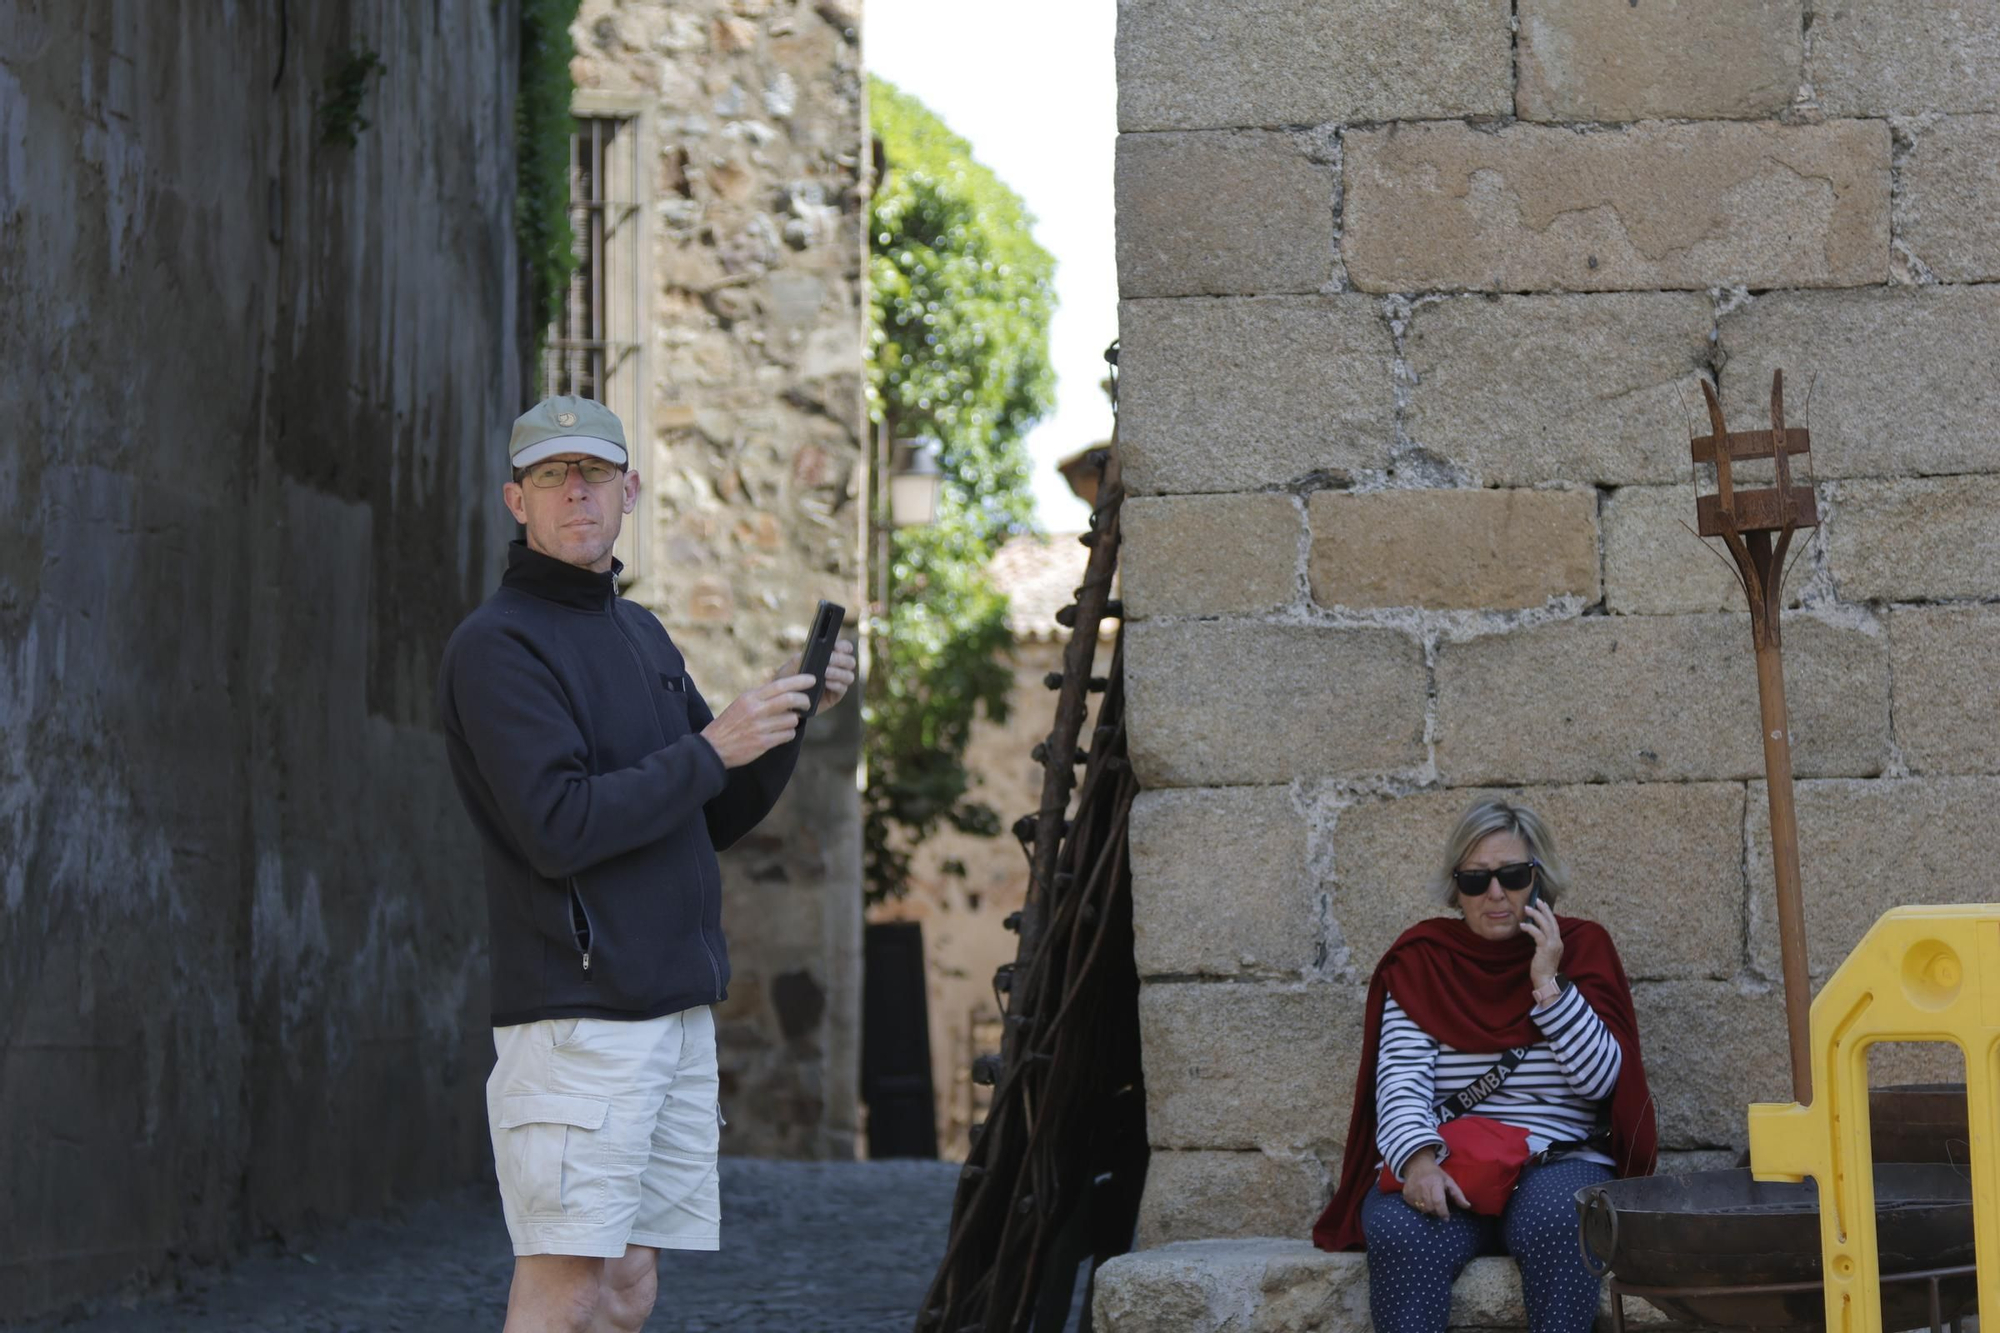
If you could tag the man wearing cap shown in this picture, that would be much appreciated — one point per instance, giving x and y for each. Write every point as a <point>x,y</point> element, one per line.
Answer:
<point>601,787</point>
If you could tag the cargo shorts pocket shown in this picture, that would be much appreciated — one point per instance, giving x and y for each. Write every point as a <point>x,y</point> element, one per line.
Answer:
<point>545,1146</point>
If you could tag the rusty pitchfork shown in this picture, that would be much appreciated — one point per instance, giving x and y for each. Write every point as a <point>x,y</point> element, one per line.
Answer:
<point>1757,527</point>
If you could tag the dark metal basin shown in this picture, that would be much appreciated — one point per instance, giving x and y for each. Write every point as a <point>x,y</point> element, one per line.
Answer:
<point>1919,1122</point>
<point>1723,1229</point>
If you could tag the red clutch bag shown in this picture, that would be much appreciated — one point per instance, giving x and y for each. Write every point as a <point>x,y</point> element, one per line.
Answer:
<point>1484,1156</point>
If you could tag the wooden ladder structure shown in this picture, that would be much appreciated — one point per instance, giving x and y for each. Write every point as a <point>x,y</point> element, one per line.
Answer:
<point>1055,1172</point>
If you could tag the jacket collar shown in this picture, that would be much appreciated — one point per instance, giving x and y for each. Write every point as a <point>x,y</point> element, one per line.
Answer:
<point>554,580</point>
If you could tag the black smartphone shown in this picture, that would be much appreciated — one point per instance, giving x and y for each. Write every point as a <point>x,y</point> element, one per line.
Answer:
<point>820,641</point>
<point>1534,894</point>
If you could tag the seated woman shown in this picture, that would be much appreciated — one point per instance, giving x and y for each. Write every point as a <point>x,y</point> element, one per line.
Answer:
<point>1449,1000</point>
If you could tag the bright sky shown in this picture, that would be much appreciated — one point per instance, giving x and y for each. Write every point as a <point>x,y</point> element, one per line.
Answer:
<point>1031,84</point>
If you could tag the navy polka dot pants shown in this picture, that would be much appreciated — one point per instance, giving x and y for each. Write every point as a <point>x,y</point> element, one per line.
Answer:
<point>1413,1258</point>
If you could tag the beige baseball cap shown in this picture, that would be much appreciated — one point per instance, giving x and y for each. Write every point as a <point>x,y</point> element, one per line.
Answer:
<point>567,425</point>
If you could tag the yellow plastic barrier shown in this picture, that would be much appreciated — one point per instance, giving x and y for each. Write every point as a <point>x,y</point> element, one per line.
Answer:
<point>1920,974</point>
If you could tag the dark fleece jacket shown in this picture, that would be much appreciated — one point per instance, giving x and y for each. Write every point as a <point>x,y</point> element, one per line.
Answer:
<point>574,733</point>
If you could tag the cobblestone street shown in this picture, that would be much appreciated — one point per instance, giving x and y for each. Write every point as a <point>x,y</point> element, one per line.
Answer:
<point>808,1247</point>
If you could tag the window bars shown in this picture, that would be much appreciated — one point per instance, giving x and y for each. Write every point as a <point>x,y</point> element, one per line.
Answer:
<point>596,346</point>
<point>596,332</point>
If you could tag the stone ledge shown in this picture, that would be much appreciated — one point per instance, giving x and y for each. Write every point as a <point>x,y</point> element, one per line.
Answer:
<point>1283,1286</point>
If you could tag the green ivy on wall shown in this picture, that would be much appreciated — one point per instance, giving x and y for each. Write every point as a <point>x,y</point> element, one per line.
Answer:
<point>542,126</point>
<point>339,107</point>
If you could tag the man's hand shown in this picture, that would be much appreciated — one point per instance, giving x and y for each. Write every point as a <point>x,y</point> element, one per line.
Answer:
<point>759,721</point>
<point>840,669</point>
<point>1428,1189</point>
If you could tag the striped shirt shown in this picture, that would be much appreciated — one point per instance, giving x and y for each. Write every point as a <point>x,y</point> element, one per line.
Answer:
<point>1553,1094</point>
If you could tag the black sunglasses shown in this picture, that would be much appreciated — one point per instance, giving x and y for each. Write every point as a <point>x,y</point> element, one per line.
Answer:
<point>1514,877</point>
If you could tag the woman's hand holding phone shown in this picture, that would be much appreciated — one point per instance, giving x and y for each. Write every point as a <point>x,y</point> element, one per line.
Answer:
<point>1539,924</point>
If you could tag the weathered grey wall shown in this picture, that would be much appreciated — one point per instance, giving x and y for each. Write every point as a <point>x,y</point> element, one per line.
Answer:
<point>1415,293</point>
<point>757,189</point>
<point>252,388</point>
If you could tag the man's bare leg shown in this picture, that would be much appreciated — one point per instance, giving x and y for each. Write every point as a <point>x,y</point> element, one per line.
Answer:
<point>555,1293</point>
<point>627,1289</point>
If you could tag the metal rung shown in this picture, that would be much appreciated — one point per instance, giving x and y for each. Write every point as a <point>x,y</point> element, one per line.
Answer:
<point>1756,511</point>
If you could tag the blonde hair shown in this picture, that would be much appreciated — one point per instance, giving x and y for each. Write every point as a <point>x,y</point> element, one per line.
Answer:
<point>1493,815</point>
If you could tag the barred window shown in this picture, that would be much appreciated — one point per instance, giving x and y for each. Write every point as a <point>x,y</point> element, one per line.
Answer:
<point>596,347</point>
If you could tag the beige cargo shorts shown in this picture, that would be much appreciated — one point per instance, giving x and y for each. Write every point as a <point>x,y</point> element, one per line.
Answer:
<point>605,1134</point>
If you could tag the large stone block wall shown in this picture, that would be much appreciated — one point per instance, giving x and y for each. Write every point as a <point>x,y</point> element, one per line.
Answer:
<point>756,193</point>
<point>255,386</point>
<point>1416,297</point>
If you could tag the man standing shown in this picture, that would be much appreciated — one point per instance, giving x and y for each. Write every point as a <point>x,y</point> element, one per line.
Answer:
<point>601,787</point>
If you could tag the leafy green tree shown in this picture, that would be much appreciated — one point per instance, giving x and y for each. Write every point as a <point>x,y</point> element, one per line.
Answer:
<point>960,301</point>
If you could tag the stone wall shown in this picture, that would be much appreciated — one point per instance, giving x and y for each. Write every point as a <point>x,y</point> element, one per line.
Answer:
<point>756,191</point>
<point>254,386</point>
<point>1415,295</point>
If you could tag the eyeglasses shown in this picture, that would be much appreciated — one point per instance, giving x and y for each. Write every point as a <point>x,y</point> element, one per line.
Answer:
<point>1513,877</point>
<point>555,472</point>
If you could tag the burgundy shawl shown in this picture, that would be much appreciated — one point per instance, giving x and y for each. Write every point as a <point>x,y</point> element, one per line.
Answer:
<point>1471,994</point>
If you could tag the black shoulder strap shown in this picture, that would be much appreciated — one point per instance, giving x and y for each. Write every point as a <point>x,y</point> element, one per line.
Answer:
<point>1477,1091</point>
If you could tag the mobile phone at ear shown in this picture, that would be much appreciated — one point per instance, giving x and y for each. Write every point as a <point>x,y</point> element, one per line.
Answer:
<point>1534,895</point>
<point>820,641</point>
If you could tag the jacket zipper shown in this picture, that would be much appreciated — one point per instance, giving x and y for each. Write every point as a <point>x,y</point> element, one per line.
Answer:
<point>639,664</point>
<point>700,872</point>
<point>714,968</point>
<point>578,908</point>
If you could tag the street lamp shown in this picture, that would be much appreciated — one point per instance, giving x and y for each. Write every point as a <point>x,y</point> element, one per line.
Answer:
<point>915,479</point>
<point>905,483</point>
